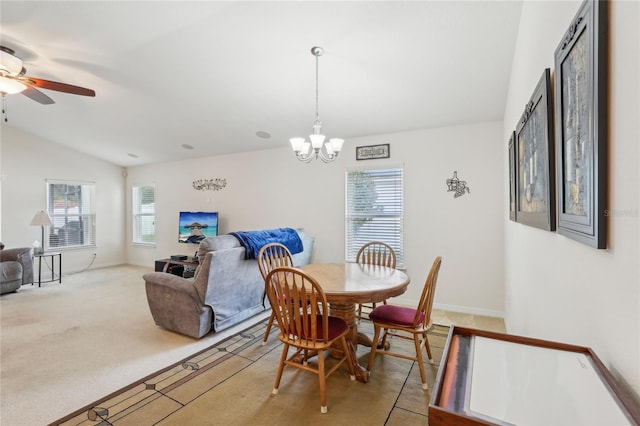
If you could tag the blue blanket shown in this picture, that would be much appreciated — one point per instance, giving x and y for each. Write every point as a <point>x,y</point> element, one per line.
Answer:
<point>253,241</point>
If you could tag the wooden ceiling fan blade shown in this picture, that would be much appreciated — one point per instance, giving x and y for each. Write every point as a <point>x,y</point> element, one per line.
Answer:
<point>36,95</point>
<point>60,87</point>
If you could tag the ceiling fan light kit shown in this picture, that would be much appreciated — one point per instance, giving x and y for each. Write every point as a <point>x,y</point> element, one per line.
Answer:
<point>317,148</point>
<point>10,86</point>
<point>9,63</point>
<point>13,80</point>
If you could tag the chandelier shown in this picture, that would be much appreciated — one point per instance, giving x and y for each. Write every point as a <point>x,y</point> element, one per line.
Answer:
<point>317,148</point>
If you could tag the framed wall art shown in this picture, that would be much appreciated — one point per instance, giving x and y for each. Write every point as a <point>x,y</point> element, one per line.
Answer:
<point>512,176</point>
<point>581,125</point>
<point>535,191</point>
<point>371,152</point>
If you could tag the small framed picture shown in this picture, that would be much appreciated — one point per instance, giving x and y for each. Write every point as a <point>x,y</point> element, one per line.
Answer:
<point>371,152</point>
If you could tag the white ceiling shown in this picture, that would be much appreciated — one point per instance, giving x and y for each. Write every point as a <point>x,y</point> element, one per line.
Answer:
<point>211,74</point>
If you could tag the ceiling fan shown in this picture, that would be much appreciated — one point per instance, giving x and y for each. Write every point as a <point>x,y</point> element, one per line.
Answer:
<point>13,80</point>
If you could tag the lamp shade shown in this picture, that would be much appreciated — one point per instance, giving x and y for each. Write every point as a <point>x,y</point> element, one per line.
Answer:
<point>41,218</point>
<point>11,86</point>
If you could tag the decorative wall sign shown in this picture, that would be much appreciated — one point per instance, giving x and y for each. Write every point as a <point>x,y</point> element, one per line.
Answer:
<point>512,176</point>
<point>535,192</point>
<point>581,126</point>
<point>209,184</point>
<point>456,185</point>
<point>371,152</point>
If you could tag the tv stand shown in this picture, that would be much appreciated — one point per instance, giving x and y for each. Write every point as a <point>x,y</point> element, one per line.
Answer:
<point>177,267</point>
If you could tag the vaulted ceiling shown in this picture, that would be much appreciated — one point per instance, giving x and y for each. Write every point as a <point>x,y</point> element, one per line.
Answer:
<point>225,77</point>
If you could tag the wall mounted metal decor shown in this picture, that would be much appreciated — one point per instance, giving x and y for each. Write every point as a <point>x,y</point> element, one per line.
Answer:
<point>209,184</point>
<point>456,185</point>
<point>371,152</point>
<point>512,176</point>
<point>535,192</point>
<point>581,126</point>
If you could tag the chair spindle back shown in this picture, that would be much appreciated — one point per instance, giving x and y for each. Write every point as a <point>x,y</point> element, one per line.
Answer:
<point>273,255</point>
<point>299,304</point>
<point>376,253</point>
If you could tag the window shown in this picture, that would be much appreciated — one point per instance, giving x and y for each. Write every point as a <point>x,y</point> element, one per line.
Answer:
<point>71,206</point>
<point>144,214</point>
<point>374,210</point>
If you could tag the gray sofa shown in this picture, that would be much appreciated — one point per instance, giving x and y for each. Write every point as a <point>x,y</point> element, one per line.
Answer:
<point>225,289</point>
<point>16,268</point>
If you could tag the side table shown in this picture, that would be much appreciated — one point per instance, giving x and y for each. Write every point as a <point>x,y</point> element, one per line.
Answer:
<point>53,267</point>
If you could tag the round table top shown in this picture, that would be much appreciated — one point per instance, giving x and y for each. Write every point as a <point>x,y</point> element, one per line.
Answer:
<point>354,283</point>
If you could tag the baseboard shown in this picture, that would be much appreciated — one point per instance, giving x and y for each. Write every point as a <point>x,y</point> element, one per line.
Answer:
<point>451,308</point>
<point>468,310</point>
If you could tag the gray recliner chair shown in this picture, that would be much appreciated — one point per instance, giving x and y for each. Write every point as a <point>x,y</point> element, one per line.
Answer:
<point>16,268</point>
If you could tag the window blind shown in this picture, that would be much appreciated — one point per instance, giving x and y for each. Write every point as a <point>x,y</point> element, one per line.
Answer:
<point>144,214</point>
<point>374,210</point>
<point>71,206</point>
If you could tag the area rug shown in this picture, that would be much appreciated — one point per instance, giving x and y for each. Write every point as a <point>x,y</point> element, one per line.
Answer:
<point>231,382</point>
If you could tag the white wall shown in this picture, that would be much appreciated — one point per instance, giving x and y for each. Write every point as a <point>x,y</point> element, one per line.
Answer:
<point>26,161</point>
<point>557,288</point>
<point>268,189</point>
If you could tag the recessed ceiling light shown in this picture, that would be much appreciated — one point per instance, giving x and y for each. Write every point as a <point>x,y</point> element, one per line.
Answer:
<point>186,146</point>
<point>132,155</point>
<point>262,134</point>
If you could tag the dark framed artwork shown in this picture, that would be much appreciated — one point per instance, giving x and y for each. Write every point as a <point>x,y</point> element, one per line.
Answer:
<point>581,125</point>
<point>535,191</point>
<point>512,176</point>
<point>371,152</point>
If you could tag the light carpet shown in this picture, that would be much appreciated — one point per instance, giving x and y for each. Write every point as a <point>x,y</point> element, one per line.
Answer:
<point>66,345</point>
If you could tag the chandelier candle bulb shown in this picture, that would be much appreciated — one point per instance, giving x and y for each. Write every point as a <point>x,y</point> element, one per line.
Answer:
<point>316,141</point>
<point>336,144</point>
<point>297,144</point>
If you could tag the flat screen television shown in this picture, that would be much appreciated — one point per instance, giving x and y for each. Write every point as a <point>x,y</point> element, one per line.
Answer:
<point>196,226</point>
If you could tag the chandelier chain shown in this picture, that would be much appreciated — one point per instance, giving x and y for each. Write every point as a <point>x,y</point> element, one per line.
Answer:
<point>317,90</point>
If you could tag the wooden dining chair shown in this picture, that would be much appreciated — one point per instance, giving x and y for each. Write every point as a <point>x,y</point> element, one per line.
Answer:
<point>374,253</point>
<point>407,323</point>
<point>271,256</point>
<point>302,313</point>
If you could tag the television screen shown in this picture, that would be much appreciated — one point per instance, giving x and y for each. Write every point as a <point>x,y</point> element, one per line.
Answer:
<point>196,226</point>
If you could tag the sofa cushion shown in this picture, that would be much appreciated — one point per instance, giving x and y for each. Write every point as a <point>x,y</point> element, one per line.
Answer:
<point>220,242</point>
<point>304,257</point>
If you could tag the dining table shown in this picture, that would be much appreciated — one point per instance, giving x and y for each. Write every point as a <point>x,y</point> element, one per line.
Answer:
<point>348,284</point>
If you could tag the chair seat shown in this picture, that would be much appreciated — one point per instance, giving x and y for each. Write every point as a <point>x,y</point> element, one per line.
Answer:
<point>337,326</point>
<point>398,315</point>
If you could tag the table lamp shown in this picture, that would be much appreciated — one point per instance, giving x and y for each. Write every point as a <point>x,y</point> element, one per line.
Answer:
<point>41,219</point>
